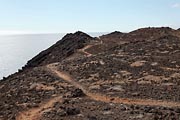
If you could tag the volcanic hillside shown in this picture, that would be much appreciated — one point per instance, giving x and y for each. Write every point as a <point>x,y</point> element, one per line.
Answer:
<point>118,76</point>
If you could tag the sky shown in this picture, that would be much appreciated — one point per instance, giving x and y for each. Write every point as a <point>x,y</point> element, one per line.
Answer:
<point>62,16</point>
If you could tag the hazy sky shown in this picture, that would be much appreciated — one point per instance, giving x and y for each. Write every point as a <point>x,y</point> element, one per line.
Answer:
<point>49,16</point>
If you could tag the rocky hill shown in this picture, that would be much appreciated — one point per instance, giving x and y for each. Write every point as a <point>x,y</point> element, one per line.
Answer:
<point>61,50</point>
<point>118,76</point>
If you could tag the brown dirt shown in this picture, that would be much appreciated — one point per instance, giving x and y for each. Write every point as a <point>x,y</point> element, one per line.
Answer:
<point>83,50</point>
<point>138,63</point>
<point>39,86</point>
<point>108,99</point>
<point>35,113</point>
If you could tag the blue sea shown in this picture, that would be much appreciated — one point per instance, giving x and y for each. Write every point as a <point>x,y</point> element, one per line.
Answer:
<point>16,50</point>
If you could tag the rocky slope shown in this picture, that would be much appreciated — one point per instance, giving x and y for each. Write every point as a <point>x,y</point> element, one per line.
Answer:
<point>118,76</point>
<point>61,50</point>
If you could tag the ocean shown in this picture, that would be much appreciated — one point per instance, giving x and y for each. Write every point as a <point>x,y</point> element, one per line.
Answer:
<point>16,50</point>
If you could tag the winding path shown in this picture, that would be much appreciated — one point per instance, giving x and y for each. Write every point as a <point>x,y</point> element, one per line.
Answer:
<point>99,97</point>
<point>83,50</point>
<point>35,113</point>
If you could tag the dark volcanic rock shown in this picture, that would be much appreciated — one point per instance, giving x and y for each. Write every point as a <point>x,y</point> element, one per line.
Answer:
<point>150,33</point>
<point>72,111</point>
<point>140,67</point>
<point>92,118</point>
<point>77,93</point>
<point>153,31</point>
<point>61,50</point>
<point>113,34</point>
<point>113,37</point>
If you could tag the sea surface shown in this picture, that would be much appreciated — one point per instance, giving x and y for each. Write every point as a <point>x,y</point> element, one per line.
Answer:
<point>16,50</point>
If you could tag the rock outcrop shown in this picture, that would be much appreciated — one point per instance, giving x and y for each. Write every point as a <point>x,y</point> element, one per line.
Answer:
<point>61,50</point>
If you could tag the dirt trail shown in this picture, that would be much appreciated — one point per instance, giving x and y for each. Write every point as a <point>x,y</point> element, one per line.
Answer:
<point>108,99</point>
<point>35,113</point>
<point>83,50</point>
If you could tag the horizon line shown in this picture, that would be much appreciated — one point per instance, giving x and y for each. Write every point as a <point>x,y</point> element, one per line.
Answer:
<point>14,32</point>
<point>39,33</point>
